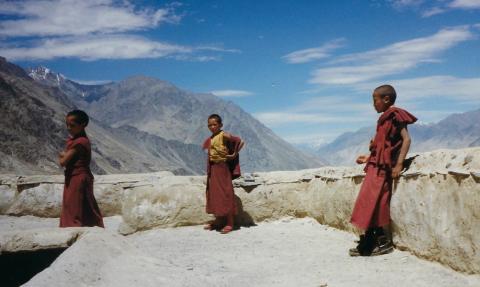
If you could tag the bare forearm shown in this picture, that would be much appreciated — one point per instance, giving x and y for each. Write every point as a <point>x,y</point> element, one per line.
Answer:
<point>65,157</point>
<point>403,151</point>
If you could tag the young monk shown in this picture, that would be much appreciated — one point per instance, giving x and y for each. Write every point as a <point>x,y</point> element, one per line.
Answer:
<point>79,207</point>
<point>384,164</point>
<point>223,166</point>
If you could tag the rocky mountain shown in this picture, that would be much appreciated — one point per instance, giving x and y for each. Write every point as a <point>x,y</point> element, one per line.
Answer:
<point>77,93</point>
<point>455,131</point>
<point>140,124</point>
<point>32,132</point>
<point>159,108</point>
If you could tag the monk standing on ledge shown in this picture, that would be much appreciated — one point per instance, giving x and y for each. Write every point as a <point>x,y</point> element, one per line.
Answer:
<point>79,207</point>
<point>385,162</point>
<point>223,166</point>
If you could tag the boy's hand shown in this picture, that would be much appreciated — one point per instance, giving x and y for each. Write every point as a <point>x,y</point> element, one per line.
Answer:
<point>397,170</point>
<point>231,156</point>
<point>370,145</point>
<point>362,159</point>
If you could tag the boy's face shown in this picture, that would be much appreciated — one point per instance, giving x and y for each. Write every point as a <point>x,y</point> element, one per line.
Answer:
<point>73,127</point>
<point>214,126</point>
<point>380,103</point>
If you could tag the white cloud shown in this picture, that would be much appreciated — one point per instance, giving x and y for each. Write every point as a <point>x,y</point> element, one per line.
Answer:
<point>312,54</point>
<point>279,118</point>
<point>392,59</point>
<point>453,88</point>
<point>433,11</point>
<point>431,8</point>
<point>71,17</point>
<point>314,140</point>
<point>231,93</point>
<point>400,4</point>
<point>90,82</point>
<point>92,30</point>
<point>465,4</point>
<point>334,104</point>
<point>91,48</point>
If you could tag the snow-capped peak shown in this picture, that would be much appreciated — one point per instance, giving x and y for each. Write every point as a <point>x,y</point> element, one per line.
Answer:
<point>45,74</point>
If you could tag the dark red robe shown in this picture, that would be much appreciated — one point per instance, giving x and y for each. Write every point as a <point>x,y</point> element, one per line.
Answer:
<point>219,192</point>
<point>79,207</point>
<point>372,207</point>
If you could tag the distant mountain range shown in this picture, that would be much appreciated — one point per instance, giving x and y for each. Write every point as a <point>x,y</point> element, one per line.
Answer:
<point>140,124</point>
<point>455,131</point>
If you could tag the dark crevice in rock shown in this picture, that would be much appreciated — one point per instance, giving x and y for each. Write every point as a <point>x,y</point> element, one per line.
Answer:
<point>17,268</point>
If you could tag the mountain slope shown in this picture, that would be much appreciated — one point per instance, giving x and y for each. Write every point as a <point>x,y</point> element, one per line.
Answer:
<point>455,131</point>
<point>32,132</point>
<point>159,108</point>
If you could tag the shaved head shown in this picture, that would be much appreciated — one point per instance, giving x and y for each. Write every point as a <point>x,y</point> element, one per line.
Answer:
<point>386,90</point>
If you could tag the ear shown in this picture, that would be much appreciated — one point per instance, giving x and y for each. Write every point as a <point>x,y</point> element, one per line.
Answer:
<point>386,99</point>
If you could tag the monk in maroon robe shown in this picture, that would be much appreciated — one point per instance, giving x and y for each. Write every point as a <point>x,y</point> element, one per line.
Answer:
<point>222,166</point>
<point>79,207</point>
<point>388,150</point>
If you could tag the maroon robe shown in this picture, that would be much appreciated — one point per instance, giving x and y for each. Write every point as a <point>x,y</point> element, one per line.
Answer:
<point>372,207</point>
<point>79,207</point>
<point>219,192</point>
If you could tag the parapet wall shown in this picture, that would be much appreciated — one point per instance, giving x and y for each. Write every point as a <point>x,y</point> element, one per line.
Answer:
<point>435,207</point>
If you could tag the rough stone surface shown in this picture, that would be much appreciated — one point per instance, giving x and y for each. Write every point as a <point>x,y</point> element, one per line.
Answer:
<point>171,201</point>
<point>289,252</point>
<point>39,239</point>
<point>41,195</point>
<point>434,206</point>
<point>11,224</point>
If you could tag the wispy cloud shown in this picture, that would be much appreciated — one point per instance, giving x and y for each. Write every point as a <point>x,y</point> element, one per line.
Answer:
<point>92,83</point>
<point>431,8</point>
<point>231,93</point>
<point>433,11</point>
<point>401,4</point>
<point>279,118</point>
<point>320,110</point>
<point>91,48</point>
<point>313,54</point>
<point>465,4</point>
<point>392,59</point>
<point>92,30</point>
<point>71,17</point>
<point>458,90</point>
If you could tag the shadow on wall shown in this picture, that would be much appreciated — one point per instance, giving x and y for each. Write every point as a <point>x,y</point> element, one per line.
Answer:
<point>243,219</point>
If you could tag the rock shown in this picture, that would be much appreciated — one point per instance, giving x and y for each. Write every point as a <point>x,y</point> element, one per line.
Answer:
<point>438,218</point>
<point>171,201</point>
<point>434,210</point>
<point>100,258</point>
<point>7,197</point>
<point>39,239</point>
<point>43,199</point>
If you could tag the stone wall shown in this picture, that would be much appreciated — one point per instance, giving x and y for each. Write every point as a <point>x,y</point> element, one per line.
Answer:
<point>435,207</point>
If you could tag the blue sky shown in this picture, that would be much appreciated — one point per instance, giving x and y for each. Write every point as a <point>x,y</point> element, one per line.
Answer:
<point>304,68</point>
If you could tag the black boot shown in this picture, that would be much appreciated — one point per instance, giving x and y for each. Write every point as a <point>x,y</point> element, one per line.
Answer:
<point>365,245</point>
<point>384,245</point>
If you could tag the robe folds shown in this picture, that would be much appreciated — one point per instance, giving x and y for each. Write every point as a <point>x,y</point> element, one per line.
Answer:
<point>220,197</point>
<point>79,207</point>
<point>372,207</point>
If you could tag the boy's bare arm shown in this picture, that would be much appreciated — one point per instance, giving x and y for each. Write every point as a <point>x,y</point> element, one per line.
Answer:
<point>66,156</point>
<point>229,136</point>
<point>403,152</point>
<point>361,159</point>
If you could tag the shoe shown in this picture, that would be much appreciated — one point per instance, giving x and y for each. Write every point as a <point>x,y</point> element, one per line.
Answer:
<point>354,252</point>
<point>365,245</point>
<point>226,229</point>
<point>208,226</point>
<point>383,246</point>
